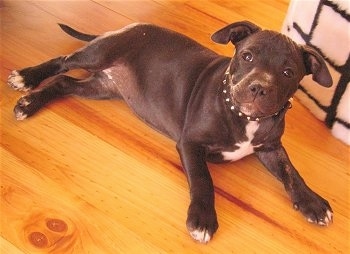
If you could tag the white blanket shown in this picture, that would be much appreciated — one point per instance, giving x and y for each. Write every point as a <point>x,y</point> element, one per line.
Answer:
<point>325,25</point>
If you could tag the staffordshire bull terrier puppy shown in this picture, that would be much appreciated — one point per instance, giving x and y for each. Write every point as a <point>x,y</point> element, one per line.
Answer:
<point>216,108</point>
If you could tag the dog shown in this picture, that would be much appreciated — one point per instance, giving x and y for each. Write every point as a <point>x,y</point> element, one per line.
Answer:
<point>216,108</point>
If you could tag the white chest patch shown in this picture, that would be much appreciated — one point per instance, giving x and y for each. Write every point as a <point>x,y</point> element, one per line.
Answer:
<point>245,148</point>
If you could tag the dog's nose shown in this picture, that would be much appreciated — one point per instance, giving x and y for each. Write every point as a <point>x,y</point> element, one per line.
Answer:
<point>257,89</point>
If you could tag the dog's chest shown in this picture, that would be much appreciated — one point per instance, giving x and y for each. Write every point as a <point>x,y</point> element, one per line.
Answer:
<point>244,148</point>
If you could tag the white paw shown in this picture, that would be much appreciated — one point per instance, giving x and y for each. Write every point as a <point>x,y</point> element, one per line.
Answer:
<point>20,115</point>
<point>200,235</point>
<point>19,108</point>
<point>16,81</point>
<point>323,221</point>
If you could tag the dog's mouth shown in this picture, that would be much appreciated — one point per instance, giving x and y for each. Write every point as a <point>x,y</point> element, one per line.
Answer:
<point>250,109</point>
<point>253,108</point>
<point>253,111</point>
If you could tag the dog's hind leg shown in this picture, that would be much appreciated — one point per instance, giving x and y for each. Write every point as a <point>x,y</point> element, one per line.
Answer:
<point>97,55</point>
<point>29,78</point>
<point>94,87</point>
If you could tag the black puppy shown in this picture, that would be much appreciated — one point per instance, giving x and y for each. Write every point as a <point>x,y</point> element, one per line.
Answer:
<point>216,108</point>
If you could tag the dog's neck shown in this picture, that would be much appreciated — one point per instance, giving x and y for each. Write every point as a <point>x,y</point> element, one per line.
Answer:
<point>235,110</point>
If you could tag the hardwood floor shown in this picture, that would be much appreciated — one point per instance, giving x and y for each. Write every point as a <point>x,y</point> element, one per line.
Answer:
<point>87,176</point>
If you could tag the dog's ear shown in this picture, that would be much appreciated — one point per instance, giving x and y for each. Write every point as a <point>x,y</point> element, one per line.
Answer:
<point>315,65</point>
<point>235,32</point>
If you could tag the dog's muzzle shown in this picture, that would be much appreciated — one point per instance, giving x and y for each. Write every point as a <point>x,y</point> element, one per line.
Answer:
<point>235,109</point>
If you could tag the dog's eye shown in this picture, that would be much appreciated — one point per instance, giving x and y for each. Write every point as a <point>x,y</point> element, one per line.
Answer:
<point>288,73</point>
<point>247,56</point>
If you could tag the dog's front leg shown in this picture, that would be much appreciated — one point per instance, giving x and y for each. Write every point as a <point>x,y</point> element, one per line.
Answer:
<point>201,218</point>
<point>316,209</point>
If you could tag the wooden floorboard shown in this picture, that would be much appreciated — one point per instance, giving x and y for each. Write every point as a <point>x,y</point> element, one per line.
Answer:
<point>87,176</point>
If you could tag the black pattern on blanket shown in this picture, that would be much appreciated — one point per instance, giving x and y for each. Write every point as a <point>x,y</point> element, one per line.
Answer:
<point>325,25</point>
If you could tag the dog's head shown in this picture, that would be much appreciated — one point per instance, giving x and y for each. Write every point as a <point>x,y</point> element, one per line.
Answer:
<point>267,68</point>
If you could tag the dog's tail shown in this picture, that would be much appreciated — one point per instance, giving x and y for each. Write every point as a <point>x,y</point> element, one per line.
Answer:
<point>76,34</point>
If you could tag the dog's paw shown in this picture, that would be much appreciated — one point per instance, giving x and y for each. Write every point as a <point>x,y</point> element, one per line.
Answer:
<point>25,79</point>
<point>315,209</point>
<point>201,222</point>
<point>16,81</point>
<point>200,235</point>
<point>27,105</point>
<point>20,108</point>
